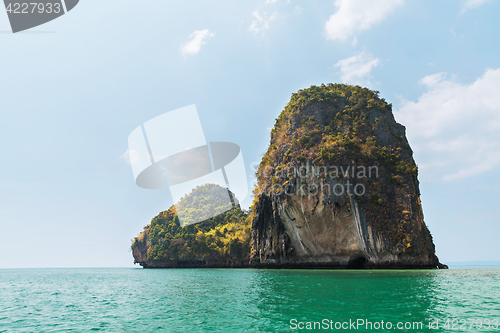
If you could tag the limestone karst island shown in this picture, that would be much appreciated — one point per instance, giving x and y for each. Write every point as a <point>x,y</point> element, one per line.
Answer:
<point>337,188</point>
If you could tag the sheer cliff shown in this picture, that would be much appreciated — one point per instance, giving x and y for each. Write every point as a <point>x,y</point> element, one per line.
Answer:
<point>338,186</point>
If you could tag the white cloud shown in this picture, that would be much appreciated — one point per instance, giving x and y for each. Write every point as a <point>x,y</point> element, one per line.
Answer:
<point>260,22</point>
<point>270,1</point>
<point>469,4</point>
<point>353,16</point>
<point>196,40</point>
<point>455,128</point>
<point>356,69</point>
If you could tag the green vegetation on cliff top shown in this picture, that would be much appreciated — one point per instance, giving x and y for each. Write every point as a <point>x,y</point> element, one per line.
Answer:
<point>336,124</point>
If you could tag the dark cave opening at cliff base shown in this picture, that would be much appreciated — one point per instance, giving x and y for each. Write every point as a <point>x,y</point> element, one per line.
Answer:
<point>357,263</point>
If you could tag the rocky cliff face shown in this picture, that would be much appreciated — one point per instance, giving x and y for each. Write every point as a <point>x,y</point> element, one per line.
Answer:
<point>338,187</point>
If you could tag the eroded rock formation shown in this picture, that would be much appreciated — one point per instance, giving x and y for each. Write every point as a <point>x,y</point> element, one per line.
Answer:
<point>338,187</point>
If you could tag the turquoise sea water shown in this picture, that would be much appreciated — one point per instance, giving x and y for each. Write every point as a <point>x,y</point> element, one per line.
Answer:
<point>246,300</point>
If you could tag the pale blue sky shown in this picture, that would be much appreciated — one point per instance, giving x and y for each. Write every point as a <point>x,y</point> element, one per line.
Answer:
<point>72,95</point>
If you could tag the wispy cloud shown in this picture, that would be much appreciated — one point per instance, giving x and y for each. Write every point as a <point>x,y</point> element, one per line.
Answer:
<point>455,128</point>
<point>469,4</point>
<point>260,22</point>
<point>357,69</point>
<point>196,40</point>
<point>353,16</point>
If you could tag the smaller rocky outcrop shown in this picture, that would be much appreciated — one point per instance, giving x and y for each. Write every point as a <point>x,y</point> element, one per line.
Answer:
<point>222,241</point>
